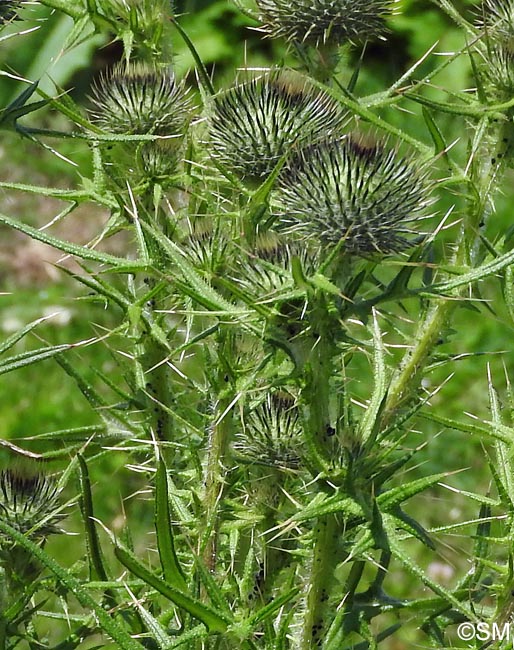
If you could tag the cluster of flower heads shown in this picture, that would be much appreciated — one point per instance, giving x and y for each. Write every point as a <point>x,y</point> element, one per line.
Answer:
<point>331,187</point>
<point>496,20</point>
<point>254,124</point>
<point>317,22</point>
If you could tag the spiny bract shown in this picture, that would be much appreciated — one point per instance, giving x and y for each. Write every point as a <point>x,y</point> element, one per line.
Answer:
<point>254,124</point>
<point>30,504</point>
<point>136,99</point>
<point>496,19</point>
<point>343,189</point>
<point>316,22</point>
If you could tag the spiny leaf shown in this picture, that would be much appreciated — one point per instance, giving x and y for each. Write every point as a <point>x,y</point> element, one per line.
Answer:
<point>370,423</point>
<point>73,249</point>
<point>173,573</point>
<point>397,495</point>
<point>92,541</point>
<point>213,620</point>
<point>106,622</point>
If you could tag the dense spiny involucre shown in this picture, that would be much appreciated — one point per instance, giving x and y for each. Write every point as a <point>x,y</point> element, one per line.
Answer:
<point>254,124</point>
<point>317,22</point>
<point>29,504</point>
<point>272,434</point>
<point>138,100</point>
<point>497,22</point>
<point>497,18</point>
<point>342,189</point>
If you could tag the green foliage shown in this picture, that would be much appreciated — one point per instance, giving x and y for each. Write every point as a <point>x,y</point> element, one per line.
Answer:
<point>273,333</point>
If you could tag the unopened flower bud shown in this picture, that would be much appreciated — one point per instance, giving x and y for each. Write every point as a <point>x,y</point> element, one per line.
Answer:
<point>317,22</point>
<point>138,100</point>
<point>254,124</point>
<point>344,189</point>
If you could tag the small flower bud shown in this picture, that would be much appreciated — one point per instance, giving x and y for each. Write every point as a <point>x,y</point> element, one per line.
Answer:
<point>317,22</point>
<point>138,100</point>
<point>497,49</point>
<point>272,435</point>
<point>344,189</point>
<point>268,268</point>
<point>29,504</point>
<point>254,124</point>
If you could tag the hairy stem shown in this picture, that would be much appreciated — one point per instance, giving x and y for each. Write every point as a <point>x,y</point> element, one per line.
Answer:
<point>325,535</point>
<point>215,478</point>
<point>484,173</point>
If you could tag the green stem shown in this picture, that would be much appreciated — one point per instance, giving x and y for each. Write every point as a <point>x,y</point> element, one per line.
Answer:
<point>215,477</point>
<point>66,6</point>
<point>325,539</point>
<point>158,387</point>
<point>483,174</point>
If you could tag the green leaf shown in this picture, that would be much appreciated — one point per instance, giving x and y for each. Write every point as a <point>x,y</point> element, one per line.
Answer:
<point>269,610</point>
<point>157,632</point>
<point>31,357</point>
<point>195,634</point>
<point>481,272</point>
<point>202,72</point>
<point>413,527</point>
<point>96,565</point>
<point>73,249</point>
<point>173,573</point>
<point>499,432</point>
<point>397,495</point>
<point>323,504</point>
<point>14,338</point>
<point>400,554</point>
<point>370,423</point>
<point>437,136</point>
<point>213,621</point>
<point>106,622</point>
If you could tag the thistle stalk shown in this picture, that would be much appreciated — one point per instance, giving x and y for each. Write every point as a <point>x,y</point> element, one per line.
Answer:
<point>325,536</point>
<point>215,481</point>
<point>484,174</point>
<point>220,434</point>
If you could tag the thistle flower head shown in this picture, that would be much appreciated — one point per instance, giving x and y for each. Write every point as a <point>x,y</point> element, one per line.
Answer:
<point>29,504</point>
<point>136,100</point>
<point>272,435</point>
<point>317,22</point>
<point>344,189</point>
<point>497,19</point>
<point>158,160</point>
<point>497,22</point>
<point>254,124</point>
<point>269,265</point>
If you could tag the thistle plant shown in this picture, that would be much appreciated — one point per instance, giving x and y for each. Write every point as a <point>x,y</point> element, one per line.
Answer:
<point>285,272</point>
